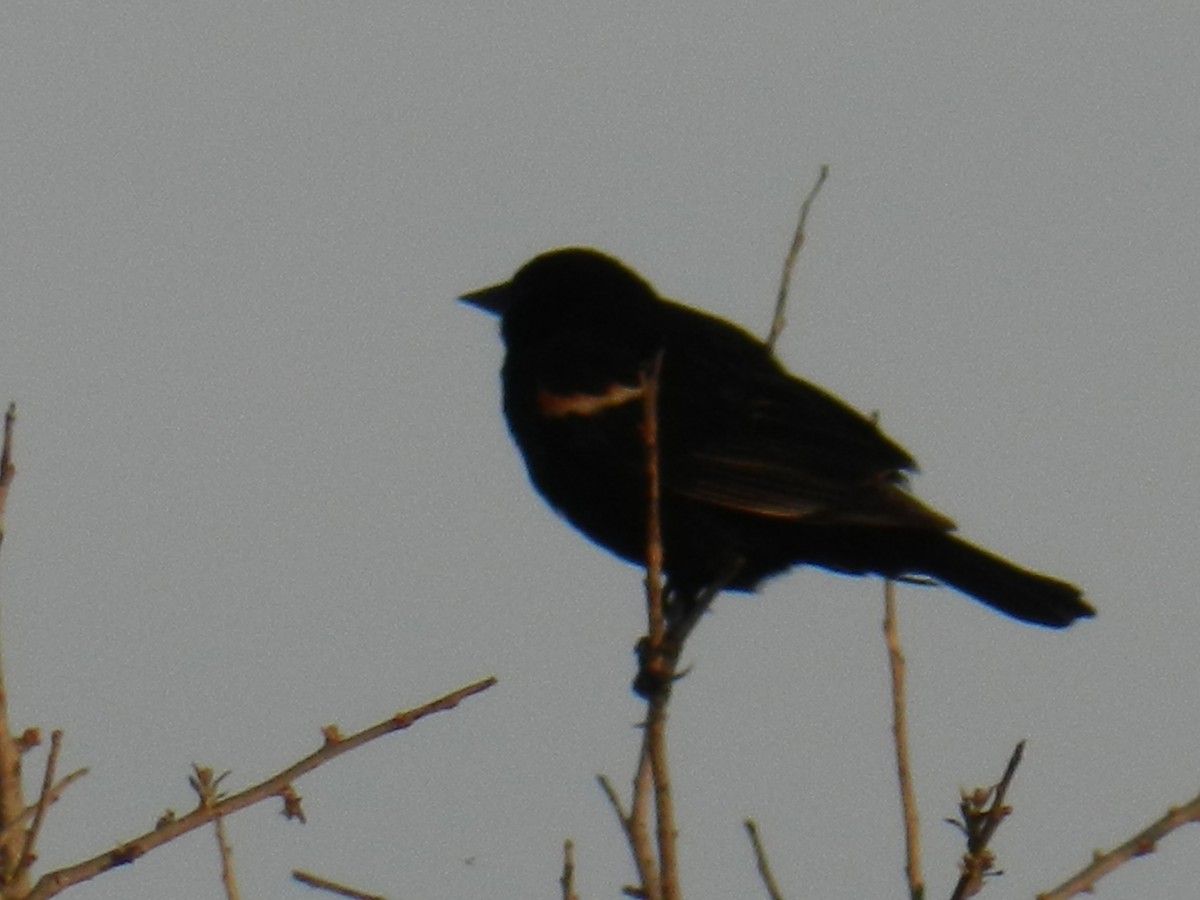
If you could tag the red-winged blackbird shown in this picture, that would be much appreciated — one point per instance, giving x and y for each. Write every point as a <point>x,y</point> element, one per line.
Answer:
<point>759,470</point>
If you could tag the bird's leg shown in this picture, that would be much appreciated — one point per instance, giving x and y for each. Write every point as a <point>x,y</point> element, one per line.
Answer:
<point>683,611</point>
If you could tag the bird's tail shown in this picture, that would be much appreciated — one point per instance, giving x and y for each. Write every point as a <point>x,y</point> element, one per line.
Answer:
<point>1020,593</point>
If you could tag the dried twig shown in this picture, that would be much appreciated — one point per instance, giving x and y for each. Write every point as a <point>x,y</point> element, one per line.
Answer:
<point>779,321</point>
<point>51,798</point>
<point>13,873</point>
<point>333,887</point>
<point>208,789</point>
<point>908,795</point>
<point>764,867</point>
<point>664,803</point>
<point>658,655</point>
<point>170,828</point>
<point>7,470</point>
<point>636,828</point>
<point>654,747</point>
<point>980,819</point>
<point>654,546</point>
<point>29,851</point>
<point>567,879</point>
<point>225,850</point>
<point>1141,844</point>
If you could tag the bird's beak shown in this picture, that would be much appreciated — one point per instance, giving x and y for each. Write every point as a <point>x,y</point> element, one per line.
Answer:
<point>496,298</point>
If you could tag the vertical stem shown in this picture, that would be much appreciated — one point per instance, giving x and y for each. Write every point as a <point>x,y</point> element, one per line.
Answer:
<point>908,797</point>
<point>14,879</point>
<point>655,745</point>
<point>654,547</point>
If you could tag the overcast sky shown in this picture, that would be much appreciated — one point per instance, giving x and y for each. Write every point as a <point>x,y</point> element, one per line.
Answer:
<point>264,483</point>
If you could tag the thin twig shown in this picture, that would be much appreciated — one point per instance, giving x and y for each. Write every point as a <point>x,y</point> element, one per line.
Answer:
<point>654,545</point>
<point>208,788</point>
<point>908,794</point>
<point>614,800</point>
<point>170,828</point>
<point>28,852</point>
<point>1141,844</point>
<point>333,887</point>
<point>760,857</point>
<point>664,803</point>
<point>636,828</point>
<point>639,824</point>
<point>7,470</point>
<point>13,875</point>
<point>228,878</point>
<point>979,823</point>
<point>55,793</point>
<point>779,321</point>
<point>567,880</point>
<point>655,739</point>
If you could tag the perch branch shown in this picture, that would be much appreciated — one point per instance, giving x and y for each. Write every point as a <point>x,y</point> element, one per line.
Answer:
<point>908,794</point>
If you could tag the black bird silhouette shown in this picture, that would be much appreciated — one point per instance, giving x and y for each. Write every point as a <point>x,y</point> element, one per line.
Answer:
<point>760,471</point>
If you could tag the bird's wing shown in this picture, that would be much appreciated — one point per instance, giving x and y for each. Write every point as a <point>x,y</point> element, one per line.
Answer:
<point>736,431</point>
<point>747,481</point>
<point>743,434</point>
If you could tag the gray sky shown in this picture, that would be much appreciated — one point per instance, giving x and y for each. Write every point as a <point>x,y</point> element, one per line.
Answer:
<point>265,485</point>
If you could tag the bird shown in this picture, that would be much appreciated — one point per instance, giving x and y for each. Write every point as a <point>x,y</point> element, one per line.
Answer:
<point>759,471</point>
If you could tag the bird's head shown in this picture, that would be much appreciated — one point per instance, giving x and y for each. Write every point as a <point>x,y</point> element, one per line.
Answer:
<point>570,289</point>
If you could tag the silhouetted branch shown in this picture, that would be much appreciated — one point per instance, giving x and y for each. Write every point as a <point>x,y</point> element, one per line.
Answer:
<point>660,658</point>
<point>7,470</point>
<point>779,321</point>
<point>760,857</point>
<point>654,546</point>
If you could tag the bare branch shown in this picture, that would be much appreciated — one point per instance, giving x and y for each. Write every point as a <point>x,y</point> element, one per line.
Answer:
<point>208,790</point>
<point>659,659</point>
<point>1141,844</point>
<point>979,823</point>
<point>764,867</point>
<point>51,798</point>
<point>567,880</point>
<point>654,548</point>
<point>908,795</point>
<point>635,826</point>
<point>228,879</point>
<point>664,804</point>
<point>333,887</point>
<point>170,828</point>
<point>13,874</point>
<point>28,852</point>
<point>779,321</point>
<point>7,470</point>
